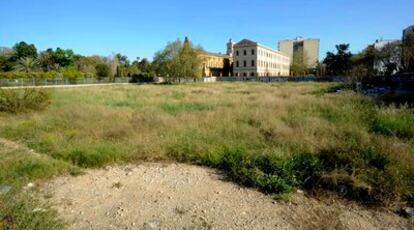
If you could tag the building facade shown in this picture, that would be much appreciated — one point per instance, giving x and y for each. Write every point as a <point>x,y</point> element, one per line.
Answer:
<point>309,46</point>
<point>253,59</point>
<point>215,65</point>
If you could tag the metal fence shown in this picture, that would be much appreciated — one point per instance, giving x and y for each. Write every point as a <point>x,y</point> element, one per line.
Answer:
<point>59,81</point>
<point>269,79</point>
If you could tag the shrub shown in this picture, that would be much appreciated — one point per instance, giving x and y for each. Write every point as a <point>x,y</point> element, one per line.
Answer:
<point>17,212</point>
<point>394,121</point>
<point>16,101</point>
<point>22,75</point>
<point>71,73</point>
<point>136,78</point>
<point>93,156</point>
<point>102,70</point>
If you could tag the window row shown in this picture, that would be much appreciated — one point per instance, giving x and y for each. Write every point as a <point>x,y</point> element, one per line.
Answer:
<point>253,74</point>
<point>252,63</point>
<point>261,63</point>
<point>245,52</point>
<point>263,53</point>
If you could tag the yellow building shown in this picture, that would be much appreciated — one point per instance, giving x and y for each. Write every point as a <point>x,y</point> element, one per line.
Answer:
<point>216,65</point>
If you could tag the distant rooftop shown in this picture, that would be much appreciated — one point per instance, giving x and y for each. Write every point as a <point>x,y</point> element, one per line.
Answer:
<point>299,39</point>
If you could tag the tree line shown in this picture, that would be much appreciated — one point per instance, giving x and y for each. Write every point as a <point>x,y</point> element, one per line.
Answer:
<point>24,61</point>
<point>179,60</point>
<point>393,57</point>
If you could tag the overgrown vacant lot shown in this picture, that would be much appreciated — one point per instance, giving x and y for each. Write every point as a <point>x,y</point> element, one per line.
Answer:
<point>275,137</point>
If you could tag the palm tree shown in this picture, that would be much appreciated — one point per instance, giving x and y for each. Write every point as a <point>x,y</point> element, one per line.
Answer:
<point>26,64</point>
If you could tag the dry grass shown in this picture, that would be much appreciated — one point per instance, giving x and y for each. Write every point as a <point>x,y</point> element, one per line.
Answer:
<point>273,136</point>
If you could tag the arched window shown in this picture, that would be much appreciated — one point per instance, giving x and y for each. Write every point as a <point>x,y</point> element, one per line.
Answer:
<point>244,63</point>
<point>253,63</point>
<point>237,63</point>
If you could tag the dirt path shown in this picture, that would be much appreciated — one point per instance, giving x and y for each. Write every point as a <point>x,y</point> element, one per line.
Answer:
<point>176,196</point>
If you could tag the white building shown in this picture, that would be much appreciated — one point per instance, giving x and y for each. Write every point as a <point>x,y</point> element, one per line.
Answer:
<point>253,59</point>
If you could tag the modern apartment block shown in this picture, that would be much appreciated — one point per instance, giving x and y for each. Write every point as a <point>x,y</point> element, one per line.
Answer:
<point>310,47</point>
<point>253,59</point>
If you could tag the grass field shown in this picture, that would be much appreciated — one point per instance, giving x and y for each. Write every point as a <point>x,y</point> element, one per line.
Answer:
<point>276,137</point>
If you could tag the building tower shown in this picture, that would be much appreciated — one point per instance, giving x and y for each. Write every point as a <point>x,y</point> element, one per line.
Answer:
<point>230,47</point>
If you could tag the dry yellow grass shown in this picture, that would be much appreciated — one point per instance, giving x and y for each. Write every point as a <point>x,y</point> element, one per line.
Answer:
<point>273,136</point>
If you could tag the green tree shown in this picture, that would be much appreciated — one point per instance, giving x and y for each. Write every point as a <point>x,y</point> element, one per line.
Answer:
<point>299,63</point>
<point>339,63</point>
<point>71,72</point>
<point>123,67</point>
<point>5,54</point>
<point>26,64</point>
<point>408,52</point>
<point>23,50</point>
<point>389,57</point>
<point>178,60</point>
<point>102,70</point>
<point>363,63</point>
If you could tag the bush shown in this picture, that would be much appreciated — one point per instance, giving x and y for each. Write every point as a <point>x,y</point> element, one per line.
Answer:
<point>137,78</point>
<point>102,70</point>
<point>71,73</point>
<point>16,101</point>
<point>393,121</point>
<point>17,212</point>
<point>22,75</point>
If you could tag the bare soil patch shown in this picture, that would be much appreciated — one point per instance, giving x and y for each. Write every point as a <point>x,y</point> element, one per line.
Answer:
<point>178,196</point>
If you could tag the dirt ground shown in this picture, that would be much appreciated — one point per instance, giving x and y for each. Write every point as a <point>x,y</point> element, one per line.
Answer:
<point>178,196</point>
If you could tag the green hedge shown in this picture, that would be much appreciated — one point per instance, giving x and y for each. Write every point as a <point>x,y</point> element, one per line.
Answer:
<point>67,73</point>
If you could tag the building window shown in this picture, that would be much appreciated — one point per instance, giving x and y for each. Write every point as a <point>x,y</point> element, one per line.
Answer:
<point>237,53</point>
<point>252,63</point>
<point>244,63</point>
<point>252,74</point>
<point>237,63</point>
<point>252,52</point>
<point>244,52</point>
<point>244,74</point>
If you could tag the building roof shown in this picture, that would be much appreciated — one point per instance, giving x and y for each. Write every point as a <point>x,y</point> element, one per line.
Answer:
<point>247,43</point>
<point>215,54</point>
<point>300,39</point>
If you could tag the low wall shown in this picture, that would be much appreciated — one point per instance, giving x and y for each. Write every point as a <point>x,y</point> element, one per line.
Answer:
<point>284,79</point>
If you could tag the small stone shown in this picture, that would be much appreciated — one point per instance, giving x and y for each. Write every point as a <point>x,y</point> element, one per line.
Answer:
<point>152,225</point>
<point>39,210</point>
<point>407,212</point>
<point>29,186</point>
<point>300,191</point>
